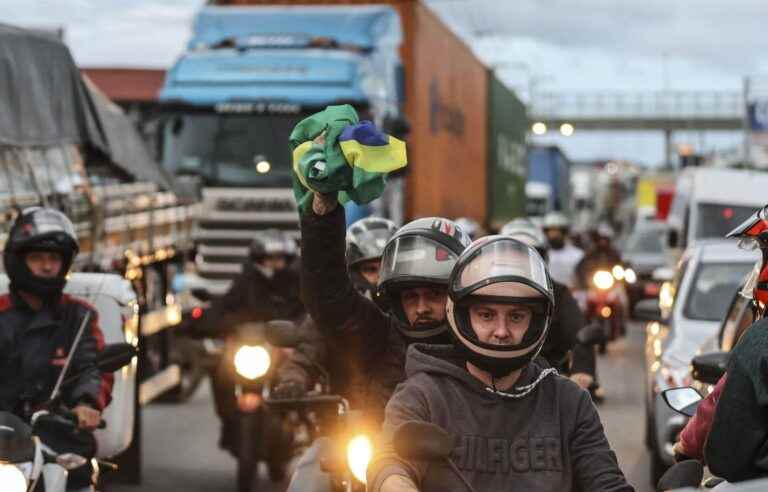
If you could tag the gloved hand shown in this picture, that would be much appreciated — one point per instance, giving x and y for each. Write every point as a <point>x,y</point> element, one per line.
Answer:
<point>289,389</point>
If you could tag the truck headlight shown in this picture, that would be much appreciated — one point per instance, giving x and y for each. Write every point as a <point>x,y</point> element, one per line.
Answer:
<point>252,362</point>
<point>12,479</point>
<point>603,280</point>
<point>359,454</point>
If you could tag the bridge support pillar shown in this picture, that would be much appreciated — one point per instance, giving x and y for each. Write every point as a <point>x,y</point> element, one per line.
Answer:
<point>668,151</point>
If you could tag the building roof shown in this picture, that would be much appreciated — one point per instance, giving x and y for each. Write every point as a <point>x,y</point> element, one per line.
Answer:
<point>127,84</point>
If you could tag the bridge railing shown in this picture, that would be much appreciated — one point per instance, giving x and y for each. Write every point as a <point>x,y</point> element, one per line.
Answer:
<point>640,105</point>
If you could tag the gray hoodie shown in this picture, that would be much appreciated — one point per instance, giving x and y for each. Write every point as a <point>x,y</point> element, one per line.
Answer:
<point>543,435</point>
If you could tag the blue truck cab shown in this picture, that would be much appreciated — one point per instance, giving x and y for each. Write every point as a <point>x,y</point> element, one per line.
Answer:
<point>230,101</point>
<point>549,181</point>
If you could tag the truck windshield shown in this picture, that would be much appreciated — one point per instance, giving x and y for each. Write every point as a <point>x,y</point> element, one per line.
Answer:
<point>718,220</point>
<point>646,240</point>
<point>231,150</point>
<point>712,290</point>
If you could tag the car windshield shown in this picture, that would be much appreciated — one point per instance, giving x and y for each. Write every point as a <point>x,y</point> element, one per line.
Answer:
<point>719,220</point>
<point>231,150</point>
<point>646,240</point>
<point>713,288</point>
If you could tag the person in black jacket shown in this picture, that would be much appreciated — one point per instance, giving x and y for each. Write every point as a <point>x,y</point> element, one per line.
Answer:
<point>516,424</point>
<point>268,276</point>
<point>38,327</point>
<point>371,343</point>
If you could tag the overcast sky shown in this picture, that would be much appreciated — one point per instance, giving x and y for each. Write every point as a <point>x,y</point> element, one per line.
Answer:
<point>632,45</point>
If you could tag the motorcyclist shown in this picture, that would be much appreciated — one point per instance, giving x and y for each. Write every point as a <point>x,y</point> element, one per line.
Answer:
<point>271,254</point>
<point>515,421</point>
<point>269,271</point>
<point>737,402</point>
<point>563,255</point>
<point>38,328</point>
<point>602,255</point>
<point>365,241</point>
<point>560,348</point>
<point>370,343</point>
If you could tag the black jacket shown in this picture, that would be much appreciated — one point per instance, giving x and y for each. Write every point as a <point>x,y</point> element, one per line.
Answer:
<point>244,302</point>
<point>544,434</point>
<point>597,258</point>
<point>33,348</point>
<point>364,345</point>
<point>737,445</point>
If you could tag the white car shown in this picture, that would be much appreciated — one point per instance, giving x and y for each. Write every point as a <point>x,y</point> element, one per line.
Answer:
<point>692,307</point>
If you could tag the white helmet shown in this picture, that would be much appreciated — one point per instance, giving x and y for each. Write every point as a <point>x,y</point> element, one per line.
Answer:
<point>556,220</point>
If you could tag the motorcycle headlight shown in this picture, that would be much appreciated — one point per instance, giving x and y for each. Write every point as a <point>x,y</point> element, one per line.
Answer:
<point>603,280</point>
<point>618,272</point>
<point>12,479</point>
<point>252,362</point>
<point>359,454</point>
<point>630,276</point>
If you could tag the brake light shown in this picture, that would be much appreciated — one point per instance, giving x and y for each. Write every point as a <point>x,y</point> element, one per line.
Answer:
<point>197,312</point>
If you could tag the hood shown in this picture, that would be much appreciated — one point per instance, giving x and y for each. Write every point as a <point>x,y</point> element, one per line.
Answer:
<point>444,360</point>
<point>688,336</point>
<point>645,263</point>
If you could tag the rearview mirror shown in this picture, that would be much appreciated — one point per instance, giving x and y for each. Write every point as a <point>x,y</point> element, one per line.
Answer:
<point>281,333</point>
<point>682,400</point>
<point>422,441</point>
<point>115,356</point>
<point>709,368</point>
<point>593,334</point>
<point>648,310</point>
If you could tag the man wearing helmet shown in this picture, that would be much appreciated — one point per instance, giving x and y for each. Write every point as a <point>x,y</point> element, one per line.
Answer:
<point>602,254</point>
<point>729,430</point>
<point>563,256</point>
<point>517,424</point>
<point>415,266</point>
<point>39,325</point>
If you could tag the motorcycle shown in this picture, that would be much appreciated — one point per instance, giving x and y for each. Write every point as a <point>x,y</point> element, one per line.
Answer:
<point>27,461</point>
<point>260,436</point>
<point>605,301</point>
<point>345,437</point>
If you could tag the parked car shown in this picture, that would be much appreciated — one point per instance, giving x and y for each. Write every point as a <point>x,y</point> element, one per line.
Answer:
<point>690,310</point>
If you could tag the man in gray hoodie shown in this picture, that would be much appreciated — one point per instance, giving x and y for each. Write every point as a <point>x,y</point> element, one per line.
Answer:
<point>517,426</point>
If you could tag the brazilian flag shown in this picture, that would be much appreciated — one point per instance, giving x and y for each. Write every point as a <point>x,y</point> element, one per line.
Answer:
<point>334,152</point>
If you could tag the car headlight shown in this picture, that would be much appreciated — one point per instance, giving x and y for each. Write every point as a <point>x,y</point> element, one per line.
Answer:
<point>12,479</point>
<point>603,280</point>
<point>630,276</point>
<point>359,454</point>
<point>252,362</point>
<point>618,272</point>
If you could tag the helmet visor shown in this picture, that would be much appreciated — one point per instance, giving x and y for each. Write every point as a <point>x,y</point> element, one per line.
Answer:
<point>506,268</point>
<point>416,258</point>
<point>370,242</point>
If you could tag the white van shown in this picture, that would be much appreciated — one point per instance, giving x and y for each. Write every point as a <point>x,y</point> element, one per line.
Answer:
<point>711,202</point>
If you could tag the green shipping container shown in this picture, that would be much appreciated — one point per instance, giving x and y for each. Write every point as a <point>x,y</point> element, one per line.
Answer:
<point>507,166</point>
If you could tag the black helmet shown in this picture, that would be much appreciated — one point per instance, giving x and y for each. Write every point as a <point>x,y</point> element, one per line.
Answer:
<point>272,242</point>
<point>367,238</point>
<point>39,229</point>
<point>499,269</point>
<point>420,253</point>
